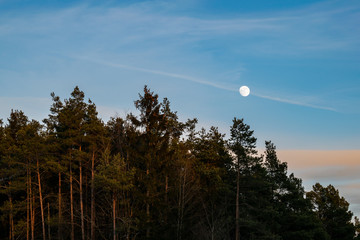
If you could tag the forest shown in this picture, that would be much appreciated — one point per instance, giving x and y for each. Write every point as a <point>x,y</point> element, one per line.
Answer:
<point>151,176</point>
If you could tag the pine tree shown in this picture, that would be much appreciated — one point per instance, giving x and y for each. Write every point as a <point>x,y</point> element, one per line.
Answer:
<point>156,129</point>
<point>333,211</point>
<point>55,147</point>
<point>242,143</point>
<point>213,167</point>
<point>114,178</point>
<point>291,215</point>
<point>35,150</point>
<point>97,142</point>
<point>14,173</point>
<point>151,176</point>
<point>74,125</point>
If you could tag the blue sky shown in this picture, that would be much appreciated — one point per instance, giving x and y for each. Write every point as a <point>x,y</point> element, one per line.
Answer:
<point>301,60</point>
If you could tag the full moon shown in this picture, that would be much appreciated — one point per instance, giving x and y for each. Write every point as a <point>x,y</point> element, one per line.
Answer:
<point>244,91</point>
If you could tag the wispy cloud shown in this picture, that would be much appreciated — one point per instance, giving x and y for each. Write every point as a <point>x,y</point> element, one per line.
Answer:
<point>294,102</point>
<point>158,72</point>
<point>201,81</point>
<point>291,30</point>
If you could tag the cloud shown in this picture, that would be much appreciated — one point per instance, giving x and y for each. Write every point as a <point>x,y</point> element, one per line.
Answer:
<point>157,72</point>
<point>339,168</point>
<point>291,31</point>
<point>200,81</point>
<point>295,102</point>
<point>156,31</point>
<point>300,159</point>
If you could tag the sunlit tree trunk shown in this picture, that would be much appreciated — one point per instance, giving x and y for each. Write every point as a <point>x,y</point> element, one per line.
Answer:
<point>32,211</point>
<point>81,202</point>
<point>87,208</point>
<point>40,198</point>
<point>27,204</point>
<point>71,204</point>
<point>92,196</point>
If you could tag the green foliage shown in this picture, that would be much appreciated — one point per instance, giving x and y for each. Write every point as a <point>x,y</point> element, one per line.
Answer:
<point>113,175</point>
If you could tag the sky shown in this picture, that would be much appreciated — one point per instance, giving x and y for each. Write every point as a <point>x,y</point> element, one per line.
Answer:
<point>300,59</point>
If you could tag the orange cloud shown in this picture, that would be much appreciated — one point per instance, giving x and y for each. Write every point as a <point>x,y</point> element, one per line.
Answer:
<point>300,159</point>
<point>337,167</point>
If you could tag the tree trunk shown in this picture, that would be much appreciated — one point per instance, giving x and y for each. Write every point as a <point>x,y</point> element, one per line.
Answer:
<point>166,199</point>
<point>10,230</point>
<point>92,231</point>
<point>11,218</point>
<point>166,188</point>
<point>81,204</point>
<point>147,208</point>
<point>237,233</point>
<point>27,204</point>
<point>49,235</point>
<point>71,204</point>
<point>127,206</point>
<point>60,210</point>
<point>87,207</point>
<point>178,232</point>
<point>128,213</point>
<point>181,201</point>
<point>114,216</point>
<point>32,211</point>
<point>40,198</point>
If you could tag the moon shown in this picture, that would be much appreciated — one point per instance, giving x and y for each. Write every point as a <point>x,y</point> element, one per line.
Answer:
<point>244,91</point>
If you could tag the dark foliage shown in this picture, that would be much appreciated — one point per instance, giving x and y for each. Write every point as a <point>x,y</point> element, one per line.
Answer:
<point>152,176</point>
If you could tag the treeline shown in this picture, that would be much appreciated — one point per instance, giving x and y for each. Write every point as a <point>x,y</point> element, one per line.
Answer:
<point>151,176</point>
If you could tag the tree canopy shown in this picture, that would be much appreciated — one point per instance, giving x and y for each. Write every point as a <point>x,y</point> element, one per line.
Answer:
<point>151,176</point>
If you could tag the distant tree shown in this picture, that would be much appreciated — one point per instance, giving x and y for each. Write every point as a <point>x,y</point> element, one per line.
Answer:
<point>333,211</point>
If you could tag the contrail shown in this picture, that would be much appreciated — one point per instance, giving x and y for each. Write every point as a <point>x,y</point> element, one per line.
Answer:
<point>201,81</point>
<point>293,102</point>
<point>157,72</point>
